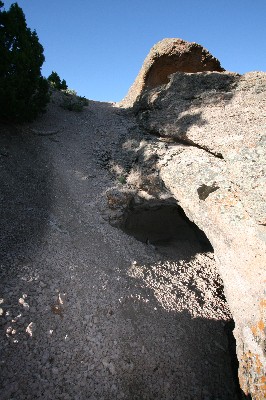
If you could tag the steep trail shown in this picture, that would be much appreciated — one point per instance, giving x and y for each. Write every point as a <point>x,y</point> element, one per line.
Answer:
<point>88,312</point>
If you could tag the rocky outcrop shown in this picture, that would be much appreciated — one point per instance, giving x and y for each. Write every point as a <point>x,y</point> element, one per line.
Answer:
<point>167,57</point>
<point>223,113</point>
<point>214,123</point>
<point>203,186</point>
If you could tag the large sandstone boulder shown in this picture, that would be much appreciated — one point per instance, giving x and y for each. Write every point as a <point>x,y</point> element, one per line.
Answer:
<point>167,57</point>
<point>214,123</point>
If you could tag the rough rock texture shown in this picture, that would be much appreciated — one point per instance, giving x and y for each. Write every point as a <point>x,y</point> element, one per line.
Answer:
<point>167,57</point>
<point>223,113</point>
<point>215,167</point>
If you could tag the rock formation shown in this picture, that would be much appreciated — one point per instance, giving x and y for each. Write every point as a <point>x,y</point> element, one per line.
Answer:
<point>84,302</point>
<point>214,166</point>
<point>167,57</point>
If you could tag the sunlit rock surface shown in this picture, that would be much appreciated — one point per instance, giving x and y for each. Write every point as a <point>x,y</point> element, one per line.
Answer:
<point>167,57</point>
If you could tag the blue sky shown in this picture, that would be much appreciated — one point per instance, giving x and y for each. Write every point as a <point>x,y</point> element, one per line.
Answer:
<point>99,46</point>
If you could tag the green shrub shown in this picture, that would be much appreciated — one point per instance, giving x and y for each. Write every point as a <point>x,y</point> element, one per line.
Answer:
<point>24,93</point>
<point>70,92</point>
<point>122,179</point>
<point>72,102</point>
<point>56,82</point>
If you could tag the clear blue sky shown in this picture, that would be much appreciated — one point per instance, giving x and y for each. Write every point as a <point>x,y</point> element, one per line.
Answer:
<point>99,46</point>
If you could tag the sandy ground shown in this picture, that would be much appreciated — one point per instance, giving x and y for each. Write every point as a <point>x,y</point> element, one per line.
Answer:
<point>86,311</point>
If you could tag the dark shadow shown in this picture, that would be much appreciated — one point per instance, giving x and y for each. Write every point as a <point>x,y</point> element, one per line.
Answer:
<point>167,229</point>
<point>25,193</point>
<point>167,356</point>
<point>229,327</point>
<point>243,396</point>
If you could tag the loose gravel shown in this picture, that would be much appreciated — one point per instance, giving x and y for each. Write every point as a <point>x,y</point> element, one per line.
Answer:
<point>87,312</point>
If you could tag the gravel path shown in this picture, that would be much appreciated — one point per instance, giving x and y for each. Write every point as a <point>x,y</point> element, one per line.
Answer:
<point>86,311</point>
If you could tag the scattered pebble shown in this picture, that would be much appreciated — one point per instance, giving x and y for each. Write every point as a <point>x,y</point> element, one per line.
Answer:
<point>30,329</point>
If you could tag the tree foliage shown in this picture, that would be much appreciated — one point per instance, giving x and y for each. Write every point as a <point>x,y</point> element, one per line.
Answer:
<point>56,82</point>
<point>23,91</point>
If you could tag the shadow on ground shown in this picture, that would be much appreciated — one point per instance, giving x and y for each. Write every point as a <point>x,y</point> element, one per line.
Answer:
<point>25,193</point>
<point>184,358</point>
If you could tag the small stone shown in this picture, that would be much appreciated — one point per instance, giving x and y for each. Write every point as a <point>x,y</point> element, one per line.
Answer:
<point>105,362</point>
<point>30,329</point>
<point>114,388</point>
<point>26,306</point>
<point>55,370</point>
<point>9,330</point>
<point>111,368</point>
<point>62,297</point>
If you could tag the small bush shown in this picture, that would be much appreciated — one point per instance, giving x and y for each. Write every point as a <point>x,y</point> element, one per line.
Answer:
<point>122,179</point>
<point>72,102</point>
<point>71,92</point>
<point>56,82</point>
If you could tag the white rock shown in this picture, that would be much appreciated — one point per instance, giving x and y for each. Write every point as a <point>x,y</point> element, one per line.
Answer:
<point>30,329</point>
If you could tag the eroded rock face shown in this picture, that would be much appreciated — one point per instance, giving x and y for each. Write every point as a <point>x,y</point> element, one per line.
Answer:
<point>214,167</point>
<point>203,186</point>
<point>167,57</point>
<point>223,113</point>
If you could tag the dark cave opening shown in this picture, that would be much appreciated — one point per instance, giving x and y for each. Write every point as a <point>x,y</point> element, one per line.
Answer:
<point>165,227</point>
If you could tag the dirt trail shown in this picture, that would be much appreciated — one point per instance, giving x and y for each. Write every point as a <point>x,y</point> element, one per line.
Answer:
<point>86,311</point>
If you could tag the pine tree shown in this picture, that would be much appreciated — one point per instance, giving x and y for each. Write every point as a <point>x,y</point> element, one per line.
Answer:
<point>55,79</point>
<point>23,91</point>
<point>64,85</point>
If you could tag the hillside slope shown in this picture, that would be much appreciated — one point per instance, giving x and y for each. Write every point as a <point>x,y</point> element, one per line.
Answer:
<point>86,310</point>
